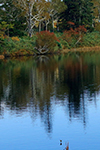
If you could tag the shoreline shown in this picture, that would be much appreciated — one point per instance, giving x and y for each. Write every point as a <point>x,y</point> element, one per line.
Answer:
<point>82,49</point>
<point>64,51</point>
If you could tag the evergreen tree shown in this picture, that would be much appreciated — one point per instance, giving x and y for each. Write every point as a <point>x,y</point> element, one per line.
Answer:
<point>12,15</point>
<point>79,12</point>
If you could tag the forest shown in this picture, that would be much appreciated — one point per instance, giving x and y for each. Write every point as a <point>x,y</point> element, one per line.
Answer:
<point>29,27</point>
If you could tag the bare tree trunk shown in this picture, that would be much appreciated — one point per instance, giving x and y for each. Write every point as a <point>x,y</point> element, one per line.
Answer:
<point>57,24</point>
<point>52,24</point>
<point>46,26</point>
<point>30,23</point>
<point>47,22</point>
<point>40,26</point>
<point>80,20</point>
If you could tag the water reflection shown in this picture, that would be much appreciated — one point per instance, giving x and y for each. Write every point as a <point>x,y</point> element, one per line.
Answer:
<point>37,84</point>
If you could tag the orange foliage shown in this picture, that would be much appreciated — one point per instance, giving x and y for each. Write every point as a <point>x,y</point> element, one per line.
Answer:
<point>71,23</point>
<point>76,31</point>
<point>46,40</point>
<point>15,38</point>
<point>1,56</point>
<point>81,29</point>
<point>1,36</point>
<point>47,34</point>
<point>68,35</point>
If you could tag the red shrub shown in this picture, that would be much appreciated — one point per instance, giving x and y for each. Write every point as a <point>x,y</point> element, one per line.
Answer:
<point>46,41</point>
<point>76,33</point>
<point>71,23</point>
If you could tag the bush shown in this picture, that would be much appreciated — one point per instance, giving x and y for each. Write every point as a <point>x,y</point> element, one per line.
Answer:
<point>17,46</point>
<point>97,26</point>
<point>71,37</point>
<point>15,38</point>
<point>90,39</point>
<point>46,42</point>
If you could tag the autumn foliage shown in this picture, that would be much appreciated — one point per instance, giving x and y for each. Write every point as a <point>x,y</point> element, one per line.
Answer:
<point>71,23</point>
<point>46,41</point>
<point>15,38</point>
<point>73,34</point>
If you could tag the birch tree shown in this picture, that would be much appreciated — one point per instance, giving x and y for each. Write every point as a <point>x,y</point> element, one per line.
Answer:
<point>43,15</point>
<point>56,7</point>
<point>33,10</point>
<point>96,9</point>
<point>27,7</point>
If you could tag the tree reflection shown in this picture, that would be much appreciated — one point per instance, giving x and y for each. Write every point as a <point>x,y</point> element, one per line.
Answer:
<point>28,85</point>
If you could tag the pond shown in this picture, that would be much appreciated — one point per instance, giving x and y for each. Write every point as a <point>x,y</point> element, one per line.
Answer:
<point>47,102</point>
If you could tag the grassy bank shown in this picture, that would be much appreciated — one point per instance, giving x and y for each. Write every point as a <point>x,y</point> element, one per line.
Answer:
<point>15,46</point>
<point>82,49</point>
<point>91,39</point>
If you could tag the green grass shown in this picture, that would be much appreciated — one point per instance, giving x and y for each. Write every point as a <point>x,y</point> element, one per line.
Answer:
<point>28,44</point>
<point>11,46</point>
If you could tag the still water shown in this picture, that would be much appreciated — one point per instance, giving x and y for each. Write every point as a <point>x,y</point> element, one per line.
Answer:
<point>47,102</point>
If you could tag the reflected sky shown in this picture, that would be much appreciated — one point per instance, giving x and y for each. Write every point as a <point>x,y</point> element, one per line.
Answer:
<point>47,99</point>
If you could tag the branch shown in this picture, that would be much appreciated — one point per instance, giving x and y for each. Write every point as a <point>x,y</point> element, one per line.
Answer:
<point>78,40</point>
<point>42,50</point>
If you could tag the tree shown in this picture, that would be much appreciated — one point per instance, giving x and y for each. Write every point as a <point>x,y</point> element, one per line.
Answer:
<point>33,11</point>
<point>4,27</point>
<point>56,7</point>
<point>80,12</point>
<point>27,7</point>
<point>12,15</point>
<point>43,16</point>
<point>96,9</point>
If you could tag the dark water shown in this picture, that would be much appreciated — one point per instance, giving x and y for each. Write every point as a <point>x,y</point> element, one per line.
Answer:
<point>47,99</point>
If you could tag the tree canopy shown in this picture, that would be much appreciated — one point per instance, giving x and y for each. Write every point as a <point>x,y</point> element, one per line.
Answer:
<point>30,15</point>
<point>79,12</point>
